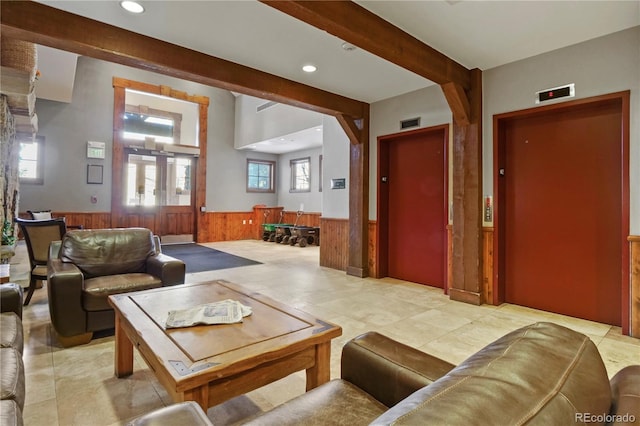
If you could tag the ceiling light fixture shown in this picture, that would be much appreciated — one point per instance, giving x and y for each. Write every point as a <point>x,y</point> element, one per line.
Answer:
<point>309,68</point>
<point>348,47</point>
<point>131,6</point>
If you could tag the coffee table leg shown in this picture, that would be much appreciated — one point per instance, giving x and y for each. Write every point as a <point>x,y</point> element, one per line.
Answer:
<point>320,373</point>
<point>199,395</point>
<point>124,351</point>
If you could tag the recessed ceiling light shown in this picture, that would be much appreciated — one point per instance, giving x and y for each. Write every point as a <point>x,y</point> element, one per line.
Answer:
<point>348,47</point>
<point>132,6</point>
<point>309,68</point>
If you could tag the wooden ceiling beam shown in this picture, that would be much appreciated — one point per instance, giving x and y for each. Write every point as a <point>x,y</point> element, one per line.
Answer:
<point>45,25</point>
<point>360,27</point>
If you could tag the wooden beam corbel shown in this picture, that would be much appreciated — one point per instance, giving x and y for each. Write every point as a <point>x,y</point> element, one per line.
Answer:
<point>458,103</point>
<point>353,128</point>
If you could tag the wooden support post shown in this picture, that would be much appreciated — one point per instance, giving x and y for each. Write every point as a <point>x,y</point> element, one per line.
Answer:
<point>467,198</point>
<point>358,133</point>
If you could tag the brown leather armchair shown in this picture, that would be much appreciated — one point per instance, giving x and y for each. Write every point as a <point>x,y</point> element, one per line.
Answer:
<point>88,266</point>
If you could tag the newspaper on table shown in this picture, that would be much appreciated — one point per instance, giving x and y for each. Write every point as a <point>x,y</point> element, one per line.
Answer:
<point>224,312</point>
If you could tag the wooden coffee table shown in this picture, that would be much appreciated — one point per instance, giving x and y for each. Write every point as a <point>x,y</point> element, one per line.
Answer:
<point>210,364</point>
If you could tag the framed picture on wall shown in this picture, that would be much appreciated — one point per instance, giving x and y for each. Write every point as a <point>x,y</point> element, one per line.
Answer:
<point>94,173</point>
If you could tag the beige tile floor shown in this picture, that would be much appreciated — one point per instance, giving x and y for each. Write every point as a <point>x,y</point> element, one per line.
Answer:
<point>76,386</point>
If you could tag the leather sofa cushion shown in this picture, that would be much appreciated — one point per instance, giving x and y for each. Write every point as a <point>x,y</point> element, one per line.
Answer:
<point>337,402</point>
<point>96,291</point>
<point>11,297</point>
<point>108,251</point>
<point>10,413</point>
<point>542,374</point>
<point>625,386</point>
<point>11,331</point>
<point>184,413</point>
<point>12,377</point>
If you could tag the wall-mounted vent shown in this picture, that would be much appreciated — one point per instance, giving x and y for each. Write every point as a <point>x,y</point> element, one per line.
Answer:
<point>265,106</point>
<point>409,123</point>
<point>567,91</point>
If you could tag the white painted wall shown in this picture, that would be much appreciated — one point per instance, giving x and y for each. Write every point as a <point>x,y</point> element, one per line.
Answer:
<point>278,120</point>
<point>292,201</point>
<point>335,160</point>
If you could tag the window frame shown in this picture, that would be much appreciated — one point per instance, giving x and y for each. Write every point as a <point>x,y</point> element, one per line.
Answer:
<point>272,175</point>
<point>39,140</point>
<point>294,178</point>
<point>320,173</point>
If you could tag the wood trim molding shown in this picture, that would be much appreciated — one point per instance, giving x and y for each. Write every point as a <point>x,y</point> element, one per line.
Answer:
<point>634,291</point>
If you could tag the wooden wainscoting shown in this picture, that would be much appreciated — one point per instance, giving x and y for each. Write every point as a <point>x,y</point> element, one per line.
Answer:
<point>634,247</point>
<point>306,219</point>
<point>88,220</point>
<point>229,226</point>
<point>263,214</point>
<point>487,266</point>
<point>334,244</point>
<point>373,252</point>
<point>133,220</point>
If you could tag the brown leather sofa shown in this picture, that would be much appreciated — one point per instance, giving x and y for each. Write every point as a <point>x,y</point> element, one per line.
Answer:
<point>12,380</point>
<point>542,374</point>
<point>88,266</point>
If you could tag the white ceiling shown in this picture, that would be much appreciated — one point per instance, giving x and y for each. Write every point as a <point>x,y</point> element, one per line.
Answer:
<point>478,34</point>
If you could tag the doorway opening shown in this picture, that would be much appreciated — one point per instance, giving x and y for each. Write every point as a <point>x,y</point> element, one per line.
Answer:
<point>412,206</point>
<point>158,181</point>
<point>561,194</point>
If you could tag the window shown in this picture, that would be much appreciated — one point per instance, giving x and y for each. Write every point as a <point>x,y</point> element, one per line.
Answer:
<point>260,176</point>
<point>155,180</point>
<point>142,122</point>
<point>31,159</point>
<point>301,175</point>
